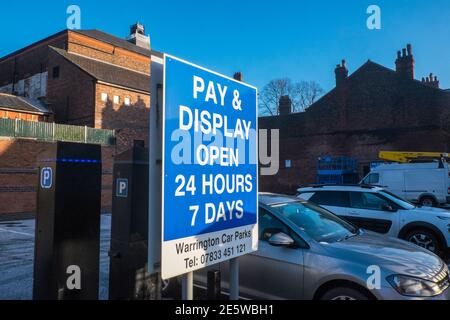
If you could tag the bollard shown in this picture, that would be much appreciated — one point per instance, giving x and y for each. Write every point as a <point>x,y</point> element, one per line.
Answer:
<point>214,289</point>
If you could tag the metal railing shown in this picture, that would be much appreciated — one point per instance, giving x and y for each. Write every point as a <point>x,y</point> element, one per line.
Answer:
<point>48,131</point>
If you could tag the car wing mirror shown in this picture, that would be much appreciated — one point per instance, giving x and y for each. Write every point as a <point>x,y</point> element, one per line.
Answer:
<point>281,240</point>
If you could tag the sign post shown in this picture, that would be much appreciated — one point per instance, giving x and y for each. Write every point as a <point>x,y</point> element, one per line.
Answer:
<point>210,177</point>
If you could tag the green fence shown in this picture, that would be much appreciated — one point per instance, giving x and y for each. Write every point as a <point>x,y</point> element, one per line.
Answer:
<point>55,132</point>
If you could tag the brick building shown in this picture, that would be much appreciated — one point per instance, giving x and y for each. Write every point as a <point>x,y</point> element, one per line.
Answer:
<point>80,77</point>
<point>375,108</point>
<point>21,108</point>
<point>87,77</point>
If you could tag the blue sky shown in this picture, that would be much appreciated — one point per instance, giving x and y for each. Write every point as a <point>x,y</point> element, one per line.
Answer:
<point>301,39</point>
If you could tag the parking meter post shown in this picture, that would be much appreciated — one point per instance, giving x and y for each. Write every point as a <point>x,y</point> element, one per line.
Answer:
<point>213,285</point>
<point>67,240</point>
<point>234,279</point>
<point>128,277</point>
<point>187,286</point>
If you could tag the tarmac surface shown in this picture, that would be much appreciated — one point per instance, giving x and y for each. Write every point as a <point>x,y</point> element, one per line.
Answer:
<point>17,255</point>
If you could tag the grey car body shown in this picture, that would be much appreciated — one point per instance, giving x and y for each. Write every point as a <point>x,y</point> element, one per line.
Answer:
<point>311,269</point>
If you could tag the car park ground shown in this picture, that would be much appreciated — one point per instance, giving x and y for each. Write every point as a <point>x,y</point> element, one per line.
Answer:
<point>17,254</point>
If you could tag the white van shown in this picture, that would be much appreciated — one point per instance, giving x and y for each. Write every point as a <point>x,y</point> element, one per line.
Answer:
<point>425,183</point>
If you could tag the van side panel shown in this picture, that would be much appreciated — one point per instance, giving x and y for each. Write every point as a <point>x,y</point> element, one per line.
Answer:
<point>425,182</point>
<point>413,181</point>
<point>394,180</point>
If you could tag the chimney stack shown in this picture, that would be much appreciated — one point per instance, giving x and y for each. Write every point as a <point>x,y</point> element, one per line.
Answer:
<point>137,36</point>
<point>238,76</point>
<point>405,62</point>
<point>285,106</point>
<point>341,72</point>
<point>431,81</point>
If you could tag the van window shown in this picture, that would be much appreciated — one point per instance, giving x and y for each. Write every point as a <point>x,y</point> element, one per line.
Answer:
<point>331,198</point>
<point>371,179</point>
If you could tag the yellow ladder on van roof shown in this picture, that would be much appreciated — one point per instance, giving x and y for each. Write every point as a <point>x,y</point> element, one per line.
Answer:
<point>405,157</point>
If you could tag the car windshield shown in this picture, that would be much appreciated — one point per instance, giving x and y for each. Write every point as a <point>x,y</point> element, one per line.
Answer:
<point>405,204</point>
<point>316,222</point>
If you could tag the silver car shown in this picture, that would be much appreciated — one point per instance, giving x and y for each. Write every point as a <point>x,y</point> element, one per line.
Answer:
<point>306,252</point>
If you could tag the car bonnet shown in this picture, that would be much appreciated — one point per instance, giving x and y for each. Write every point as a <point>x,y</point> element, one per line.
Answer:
<point>392,255</point>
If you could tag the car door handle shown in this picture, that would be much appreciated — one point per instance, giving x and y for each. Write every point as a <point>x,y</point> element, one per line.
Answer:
<point>354,213</point>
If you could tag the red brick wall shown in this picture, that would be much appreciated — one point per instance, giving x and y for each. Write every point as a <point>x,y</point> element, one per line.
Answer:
<point>19,178</point>
<point>30,61</point>
<point>75,99</point>
<point>305,151</point>
<point>21,116</point>
<point>71,95</point>
<point>130,122</point>
<point>376,110</point>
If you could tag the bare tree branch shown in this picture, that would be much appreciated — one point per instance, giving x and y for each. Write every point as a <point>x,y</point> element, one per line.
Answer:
<point>303,94</point>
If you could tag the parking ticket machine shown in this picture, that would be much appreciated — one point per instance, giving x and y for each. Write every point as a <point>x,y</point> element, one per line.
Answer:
<point>67,240</point>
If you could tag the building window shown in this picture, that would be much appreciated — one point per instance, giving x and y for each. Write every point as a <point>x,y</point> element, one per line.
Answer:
<point>104,97</point>
<point>56,72</point>
<point>127,101</point>
<point>116,99</point>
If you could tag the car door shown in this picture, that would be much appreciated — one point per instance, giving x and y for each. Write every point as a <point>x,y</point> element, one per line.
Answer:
<point>369,210</point>
<point>272,272</point>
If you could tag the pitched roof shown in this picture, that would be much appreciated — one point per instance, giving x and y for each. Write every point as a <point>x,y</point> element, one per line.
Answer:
<point>95,34</point>
<point>107,72</point>
<point>21,104</point>
<point>371,67</point>
<point>372,89</point>
<point>116,41</point>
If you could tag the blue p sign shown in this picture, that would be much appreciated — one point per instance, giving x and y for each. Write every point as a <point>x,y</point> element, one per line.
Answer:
<point>122,188</point>
<point>46,178</point>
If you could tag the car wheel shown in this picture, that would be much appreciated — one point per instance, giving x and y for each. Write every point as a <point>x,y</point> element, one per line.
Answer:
<point>425,239</point>
<point>428,202</point>
<point>343,293</point>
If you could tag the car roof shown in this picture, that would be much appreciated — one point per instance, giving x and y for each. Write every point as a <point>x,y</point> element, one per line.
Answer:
<point>270,199</point>
<point>356,188</point>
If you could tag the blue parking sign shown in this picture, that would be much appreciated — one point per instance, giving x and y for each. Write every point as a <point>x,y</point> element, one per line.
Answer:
<point>210,160</point>
<point>46,178</point>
